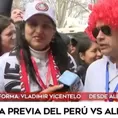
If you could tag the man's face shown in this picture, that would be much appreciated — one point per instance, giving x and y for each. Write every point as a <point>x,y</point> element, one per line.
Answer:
<point>17,15</point>
<point>107,39</point>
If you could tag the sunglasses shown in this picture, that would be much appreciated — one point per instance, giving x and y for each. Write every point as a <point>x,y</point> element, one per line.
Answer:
<point>105,29</point>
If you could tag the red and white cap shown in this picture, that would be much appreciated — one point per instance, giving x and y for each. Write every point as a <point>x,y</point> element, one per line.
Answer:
<point>37,7</point>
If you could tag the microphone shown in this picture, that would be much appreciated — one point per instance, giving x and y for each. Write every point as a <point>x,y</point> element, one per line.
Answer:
<point>70,80</point>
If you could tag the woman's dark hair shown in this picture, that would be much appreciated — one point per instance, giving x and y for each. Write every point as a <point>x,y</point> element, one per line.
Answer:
<point>18,24</point>
<point>4,23</point>
<point>65,38</point>
<point>74,42</point>
<point>83,45</point>
<point>57,46</point>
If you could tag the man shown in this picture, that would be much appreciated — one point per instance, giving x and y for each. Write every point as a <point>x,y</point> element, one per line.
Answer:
<point>102,75</point>
<point>17,15</point>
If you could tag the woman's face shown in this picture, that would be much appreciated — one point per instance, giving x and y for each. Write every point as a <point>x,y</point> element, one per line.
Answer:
<point>92,54</point>
<point>8,37</point>
<point>39,32</point>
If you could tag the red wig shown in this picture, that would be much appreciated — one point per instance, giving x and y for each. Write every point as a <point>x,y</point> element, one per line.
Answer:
<point>103,10</point>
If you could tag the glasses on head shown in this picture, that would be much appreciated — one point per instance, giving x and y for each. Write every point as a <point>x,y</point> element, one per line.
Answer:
<point>105,29</point>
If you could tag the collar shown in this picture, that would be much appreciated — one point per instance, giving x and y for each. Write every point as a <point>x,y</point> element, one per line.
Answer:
<point>111,64</point>
<point>42,55</point>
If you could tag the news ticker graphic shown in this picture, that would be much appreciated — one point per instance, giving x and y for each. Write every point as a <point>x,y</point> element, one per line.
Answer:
<point>58,109</point>
<point>59,96</point>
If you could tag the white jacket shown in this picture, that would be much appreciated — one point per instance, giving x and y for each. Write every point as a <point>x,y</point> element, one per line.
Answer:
<point>95,80</point>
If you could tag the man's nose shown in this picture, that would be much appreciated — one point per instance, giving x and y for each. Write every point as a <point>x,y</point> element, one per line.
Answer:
<point>19,13</point>
<point>100,36</point>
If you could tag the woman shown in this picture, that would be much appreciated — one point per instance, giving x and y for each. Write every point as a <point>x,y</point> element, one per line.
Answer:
<point>40,56</point>
<point>7,34</point>
<point>88,52</point>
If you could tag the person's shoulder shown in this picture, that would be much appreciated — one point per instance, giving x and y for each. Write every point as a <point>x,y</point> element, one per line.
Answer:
<point>3,60</point>
<point>97,64</point>
<point>8,57</point>
<point>4,56</point>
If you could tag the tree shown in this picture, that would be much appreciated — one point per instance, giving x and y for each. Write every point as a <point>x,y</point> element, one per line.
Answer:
<point>16,3</point>
<point>93,1</point>
<point>64,9</point>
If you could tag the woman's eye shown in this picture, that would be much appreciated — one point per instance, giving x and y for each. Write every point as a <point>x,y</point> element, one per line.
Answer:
<point>95,50</point>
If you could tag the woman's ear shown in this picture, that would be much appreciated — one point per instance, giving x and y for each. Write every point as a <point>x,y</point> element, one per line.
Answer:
<point>82,56</point>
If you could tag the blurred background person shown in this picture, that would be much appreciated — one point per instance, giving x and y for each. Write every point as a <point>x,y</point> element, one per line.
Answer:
<point>88,53</point>
<point>73,49</point>
<point>66,40</point>
<point>71,45</point>
<point>17,15</point>
<point>7,34</point>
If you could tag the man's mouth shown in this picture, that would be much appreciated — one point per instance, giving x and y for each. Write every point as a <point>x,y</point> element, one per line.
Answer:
<point>103,46</point>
